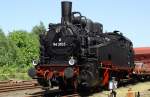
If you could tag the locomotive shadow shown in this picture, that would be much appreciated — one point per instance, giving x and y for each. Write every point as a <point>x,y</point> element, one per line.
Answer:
<point>57,93</point>
<point>82,92</point>
<point>133,82</point>
<point>46,93</point>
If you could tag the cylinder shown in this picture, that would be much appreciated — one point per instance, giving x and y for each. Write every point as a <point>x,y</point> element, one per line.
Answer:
<point>66,8</point>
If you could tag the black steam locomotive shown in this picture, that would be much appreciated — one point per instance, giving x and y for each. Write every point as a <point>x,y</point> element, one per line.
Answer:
<point>76,53</point>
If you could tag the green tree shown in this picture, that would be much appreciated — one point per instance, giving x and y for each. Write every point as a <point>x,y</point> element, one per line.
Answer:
<point>2,47</point>
<point>27,46</point>
<point>39,29</point>
<point>7,50</point>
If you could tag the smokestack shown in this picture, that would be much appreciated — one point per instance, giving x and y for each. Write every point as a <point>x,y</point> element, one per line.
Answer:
<point>66,7</point>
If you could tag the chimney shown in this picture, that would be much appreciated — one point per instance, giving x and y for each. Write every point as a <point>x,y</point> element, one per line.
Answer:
<point>66,7</point>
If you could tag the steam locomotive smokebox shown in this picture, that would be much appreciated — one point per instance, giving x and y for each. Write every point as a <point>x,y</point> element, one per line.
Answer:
<point>66,8</point>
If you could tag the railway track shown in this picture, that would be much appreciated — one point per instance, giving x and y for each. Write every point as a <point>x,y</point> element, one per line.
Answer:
<point>6,86</point>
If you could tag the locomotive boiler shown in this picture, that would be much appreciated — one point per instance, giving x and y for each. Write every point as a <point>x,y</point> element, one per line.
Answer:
<point>77,53</point>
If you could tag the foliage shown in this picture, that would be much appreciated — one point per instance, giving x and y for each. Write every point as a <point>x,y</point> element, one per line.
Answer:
<point>39,29</point>
<point>26,46</point>
<point>13,72</point>
<point>7,50</point>
<point>17,50</point>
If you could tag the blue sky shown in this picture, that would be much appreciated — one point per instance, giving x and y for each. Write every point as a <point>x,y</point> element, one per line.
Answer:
<point>131,17</point>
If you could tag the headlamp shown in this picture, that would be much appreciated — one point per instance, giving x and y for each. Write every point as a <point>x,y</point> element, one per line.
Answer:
<point>72,61</point>
<point>34,63</point>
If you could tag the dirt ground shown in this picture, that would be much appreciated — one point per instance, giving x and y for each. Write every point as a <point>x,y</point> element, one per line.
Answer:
<point>143,88</point>
<point>21,93</point>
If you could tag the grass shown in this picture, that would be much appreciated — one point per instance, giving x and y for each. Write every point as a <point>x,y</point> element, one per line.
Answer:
<point>14,72</point>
